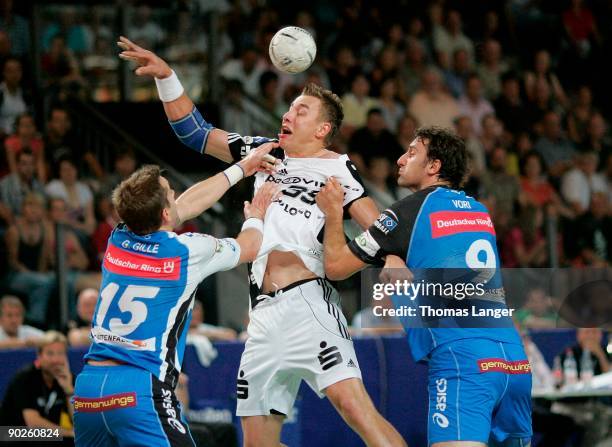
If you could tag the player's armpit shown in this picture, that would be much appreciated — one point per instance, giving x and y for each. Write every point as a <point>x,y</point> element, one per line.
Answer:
<point>364,211</point>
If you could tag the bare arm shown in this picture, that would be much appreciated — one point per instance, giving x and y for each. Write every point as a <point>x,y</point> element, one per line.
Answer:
<point>364,211</point>
<point>153,66</point>
<point>250,239</point>
<point>204,194</point>
<point>340,262</point>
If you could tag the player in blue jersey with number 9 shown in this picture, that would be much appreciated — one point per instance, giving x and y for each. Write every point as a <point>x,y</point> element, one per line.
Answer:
<point>479,377</point>
<point>125,393</point>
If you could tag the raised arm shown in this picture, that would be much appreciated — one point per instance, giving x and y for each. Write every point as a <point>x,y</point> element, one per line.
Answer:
<point>185,119</point>
<point>204,194</point>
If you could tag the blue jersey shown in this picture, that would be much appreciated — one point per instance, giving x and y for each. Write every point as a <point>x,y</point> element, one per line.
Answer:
<point>437,228</point>
<point>146,296</point>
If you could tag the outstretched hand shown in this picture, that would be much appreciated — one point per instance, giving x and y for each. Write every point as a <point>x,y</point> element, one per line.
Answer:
<point>265,195</point>
<point>149,64</point>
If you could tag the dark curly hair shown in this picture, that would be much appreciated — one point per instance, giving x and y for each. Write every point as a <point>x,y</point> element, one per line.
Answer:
<point>444,145</point>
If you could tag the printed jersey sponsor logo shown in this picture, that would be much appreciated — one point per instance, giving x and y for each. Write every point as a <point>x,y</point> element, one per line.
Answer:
<point>122,262</point>
<point>104,403</point>
<point>447,223</point>
<point>385,223</point>
<point>329,357</point>
<point>504,366</point>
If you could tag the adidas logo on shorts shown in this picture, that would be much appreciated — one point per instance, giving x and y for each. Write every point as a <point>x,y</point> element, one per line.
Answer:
<point>329,357</point>
<point>242,387</point>
<point>351,364</point>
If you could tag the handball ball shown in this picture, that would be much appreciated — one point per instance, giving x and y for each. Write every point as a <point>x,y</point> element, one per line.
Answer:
<point>292,49</point>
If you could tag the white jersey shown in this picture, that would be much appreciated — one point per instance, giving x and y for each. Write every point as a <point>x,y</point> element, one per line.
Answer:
<point>294,223</point>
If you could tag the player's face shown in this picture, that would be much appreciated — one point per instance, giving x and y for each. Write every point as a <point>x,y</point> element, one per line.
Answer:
<point>170,212</point>
<point>413,166</point>
<point>302,124</point>
<point>52,358</point>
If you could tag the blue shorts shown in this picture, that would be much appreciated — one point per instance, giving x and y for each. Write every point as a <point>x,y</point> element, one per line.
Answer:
<point>126,406</point>
<point>479,390</point>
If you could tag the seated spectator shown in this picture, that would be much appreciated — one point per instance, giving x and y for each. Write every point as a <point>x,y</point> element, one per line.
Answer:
<point>524,245</point>
<point>556,150</point>
<point>392,109</point>
<point>580,182</point>
<point>76,195</point>
<point>59,137</point>
<point>465,129</point>
<point>473,104</point>
<point>580,114</point>
<point>509,106</point>
<point>61,70</point>
<point>16,186</point>
<point>376,181</point>
<point>387,66</point>
<point>247,70</point>
<point>491,68</point>
<point>412,71</point>
<point>108,220</point>
<point>457,75</point>
<point>406,129</point>
<point>342,70</point>
<point>212,332</point>
<point>78,334</point>
<point>451,37</point>
<point>589,339</point>
<point>269,88</point>
<point>536,188</point>
<point>373,139</point>
<point>235,113</point>
<point>76,258</point>
<point>40,394</point>
<point>26,137</point>
<point>497,184</point>
<point>356,103</point>
<point>581,28</point>
<point>431,105</point>
<point>13,333</point>
<point>593,237</point>
<point>538,311</point>
<point>29,249</point>
<point>542,71</point>
<point>61,143</point>
<point>125,164</point>
<point>13,100</point>
<point>597,138</point>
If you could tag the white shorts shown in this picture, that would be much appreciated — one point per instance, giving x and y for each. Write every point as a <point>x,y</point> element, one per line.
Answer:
<point>297,334</point>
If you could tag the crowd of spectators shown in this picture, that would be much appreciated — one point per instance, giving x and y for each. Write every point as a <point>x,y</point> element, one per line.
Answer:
<point>531,111</point>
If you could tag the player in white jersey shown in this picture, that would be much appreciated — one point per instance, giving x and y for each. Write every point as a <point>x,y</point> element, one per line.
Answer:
<point>297,330</point>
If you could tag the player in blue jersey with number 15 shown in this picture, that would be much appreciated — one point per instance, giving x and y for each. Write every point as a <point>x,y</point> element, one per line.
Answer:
<point>479,377</point>
<point>125,394</point>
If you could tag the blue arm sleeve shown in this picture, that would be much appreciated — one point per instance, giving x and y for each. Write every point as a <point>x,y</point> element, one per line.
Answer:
<point>192,130</point>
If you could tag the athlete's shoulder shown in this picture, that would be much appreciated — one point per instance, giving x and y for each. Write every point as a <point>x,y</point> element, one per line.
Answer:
<point>241,145</point>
